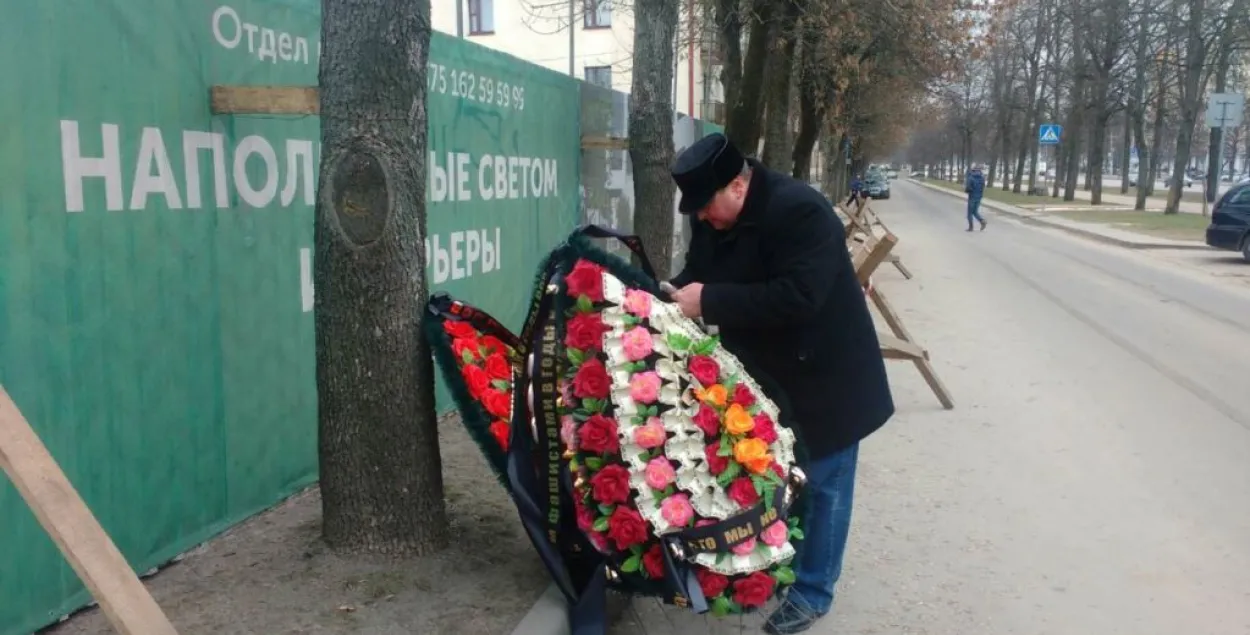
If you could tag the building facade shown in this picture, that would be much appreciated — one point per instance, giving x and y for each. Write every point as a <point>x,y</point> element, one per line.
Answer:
<point>598,48</point>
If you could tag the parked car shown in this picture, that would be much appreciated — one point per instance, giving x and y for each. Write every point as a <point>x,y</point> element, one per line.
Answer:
<point>877,188</point>
<point>1230,221</point>
<point>891,175</point>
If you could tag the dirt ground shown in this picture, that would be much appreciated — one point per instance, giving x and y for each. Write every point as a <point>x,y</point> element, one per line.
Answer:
<point>272,575</point>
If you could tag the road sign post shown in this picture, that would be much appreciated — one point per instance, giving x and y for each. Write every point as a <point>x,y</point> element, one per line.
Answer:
<point>1048,134</point>
<point>1224,110</point>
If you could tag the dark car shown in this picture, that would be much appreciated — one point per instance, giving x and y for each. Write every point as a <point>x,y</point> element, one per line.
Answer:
<point>1230,221</point>
<point>877,187</point>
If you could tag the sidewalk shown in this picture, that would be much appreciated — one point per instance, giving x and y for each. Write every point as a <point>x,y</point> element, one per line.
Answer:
<point>1093,231</point>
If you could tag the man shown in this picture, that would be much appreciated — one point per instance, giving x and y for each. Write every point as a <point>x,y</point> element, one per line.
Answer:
<point>857,189</point>
<point>975,187</point>
<point>768,266</point>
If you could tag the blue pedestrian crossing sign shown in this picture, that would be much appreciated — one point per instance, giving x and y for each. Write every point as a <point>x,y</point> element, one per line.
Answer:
<point>1048,133</point>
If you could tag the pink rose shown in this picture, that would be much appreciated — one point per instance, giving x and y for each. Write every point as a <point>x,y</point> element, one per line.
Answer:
<point>637,302</point>
<point>744,548</point>
<point>775,534</point>
<point>568,425</point>
<point>645,387</point>
<point>637,343</point>
<point>676,509</point>
<point>651,435</point>
<point>659,473</point>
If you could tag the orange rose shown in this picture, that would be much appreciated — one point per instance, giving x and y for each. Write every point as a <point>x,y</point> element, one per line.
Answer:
<point>753,455</point>
<point>738,420</point>
<point>715,394</point>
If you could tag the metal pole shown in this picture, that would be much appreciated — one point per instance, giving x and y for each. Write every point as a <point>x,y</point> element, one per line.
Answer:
<point>572,39</point>
<point>460,18</point>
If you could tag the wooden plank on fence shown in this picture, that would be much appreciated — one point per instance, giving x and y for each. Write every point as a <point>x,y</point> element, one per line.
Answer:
<point>604,143</point>
<point>264,100</point>
<point>65,517</point>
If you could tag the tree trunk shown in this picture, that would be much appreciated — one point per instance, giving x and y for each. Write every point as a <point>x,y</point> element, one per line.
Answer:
<point>651,129</point>
<point>778,151</point>
<point>1191,96</point>
<point>1126,153</point>
<point>381,473</point>
<point>1214,167</point>
<point>729,19</point>
<point>745,123</point>
<point>816,92</point>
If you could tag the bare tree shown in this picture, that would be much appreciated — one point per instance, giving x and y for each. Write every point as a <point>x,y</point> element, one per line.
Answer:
<point>651,129</point>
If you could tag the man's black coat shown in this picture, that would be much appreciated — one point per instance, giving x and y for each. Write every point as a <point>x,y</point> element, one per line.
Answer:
<point>781,288</point>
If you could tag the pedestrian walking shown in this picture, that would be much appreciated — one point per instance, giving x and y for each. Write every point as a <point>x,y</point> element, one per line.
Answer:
<point>975,187</point>
<point>857,190</point>
<point>767,265</point>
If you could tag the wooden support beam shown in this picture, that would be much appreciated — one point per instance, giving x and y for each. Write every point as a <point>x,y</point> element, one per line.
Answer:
<point>65,517</point>
<point>593,142</point>
<point>922,363</point>
<point>264,100</point>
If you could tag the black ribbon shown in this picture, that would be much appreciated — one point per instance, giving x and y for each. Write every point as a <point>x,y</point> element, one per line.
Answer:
<point>735,530</point>
<point>444,306</point>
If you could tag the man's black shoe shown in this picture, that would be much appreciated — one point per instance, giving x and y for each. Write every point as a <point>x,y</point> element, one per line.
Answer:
<point>790,618</point>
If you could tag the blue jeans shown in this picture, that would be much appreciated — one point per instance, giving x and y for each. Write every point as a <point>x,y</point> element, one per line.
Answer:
<point>974,211</point>
<point>830,492</point>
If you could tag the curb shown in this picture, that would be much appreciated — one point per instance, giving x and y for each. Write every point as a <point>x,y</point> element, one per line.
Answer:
<point>550,613</point>
<point>1009,210</point>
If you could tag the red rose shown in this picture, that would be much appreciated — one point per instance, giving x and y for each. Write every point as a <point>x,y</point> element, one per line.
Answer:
<point>465,344</point>
<point>586,279</point>
<point>764,429</point>
<point>476,379</point>
<point>715,464</point>
<point>585,332</point>
<point>497,403</point>
<point>459,329</point>
<point>708,421</point>
<point>653,563</point>
<point>598,434</point>
<point>626,528</point>
<point>592,380</point>
<point>743,396</point>
<point>742,492</point>
<point>500,430</point>
<point>705,369</point>
<point>585,517</point>
<point>610,485</point>
<point>498,368</point>
<point>493,344</point>
<point>753,590</point>
<point>778,470</point>
<point>712,583</point>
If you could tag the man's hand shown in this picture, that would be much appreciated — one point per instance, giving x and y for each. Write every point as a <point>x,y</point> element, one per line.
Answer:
<point>689,298</point>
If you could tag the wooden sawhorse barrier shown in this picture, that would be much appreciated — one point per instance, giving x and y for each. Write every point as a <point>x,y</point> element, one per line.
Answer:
<point>866,257</point>
<point>862,220</point>
<point>123,598</point>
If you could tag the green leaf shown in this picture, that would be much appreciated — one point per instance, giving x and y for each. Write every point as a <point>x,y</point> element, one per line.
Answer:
<point>580,416</point>
<point>721,606</point>
<point>774,478</point>
<point>573,464</point>
<point>729,474</point>
<point>593,405</point>
<point>726,448</point>
<point>594,462</point>
<point>467,356</point>
<point>678,342</point>
<point>644,456</point>
<point>731,381</point>
<point>584,305</point>
<point>720,557</point>
<point>769,495</point>
<point>796,533</point>
<point>792,522</point>
<point>706,346</point>
<point>607,510</point>
<point>601,523</point>
<point>759,484</point>
<point>783,575</point>
<point>576,357</point>
<point>632,563</point>
<point>499,384</point>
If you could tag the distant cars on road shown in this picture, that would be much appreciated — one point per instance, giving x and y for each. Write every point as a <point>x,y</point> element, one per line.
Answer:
<point>1230,221</point>
<point>877,187</point>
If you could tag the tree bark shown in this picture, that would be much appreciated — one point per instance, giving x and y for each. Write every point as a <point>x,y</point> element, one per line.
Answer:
<point>1214,167</point>
<point>1191,96</point>
<point>816,92</point>
<point>745,122</point>
<point>778,153</point>
<point>381,473</point>
<point>651,129</point>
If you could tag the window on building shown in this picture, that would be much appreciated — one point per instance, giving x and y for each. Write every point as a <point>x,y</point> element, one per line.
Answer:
<point>597,14</point>
<point>599,76</point>
<point>481,17</point>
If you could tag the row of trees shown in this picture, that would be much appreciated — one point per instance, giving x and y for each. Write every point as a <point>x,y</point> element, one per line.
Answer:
<point>1117,74</point>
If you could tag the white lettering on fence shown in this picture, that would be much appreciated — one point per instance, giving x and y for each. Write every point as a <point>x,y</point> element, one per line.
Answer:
<point>461,254</point>
<point>258,172</point>
<point>272,45</point>
<point>305,279</point>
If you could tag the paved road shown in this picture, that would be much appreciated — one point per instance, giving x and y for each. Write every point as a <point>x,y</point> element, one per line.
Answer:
<point>1094,478</point>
